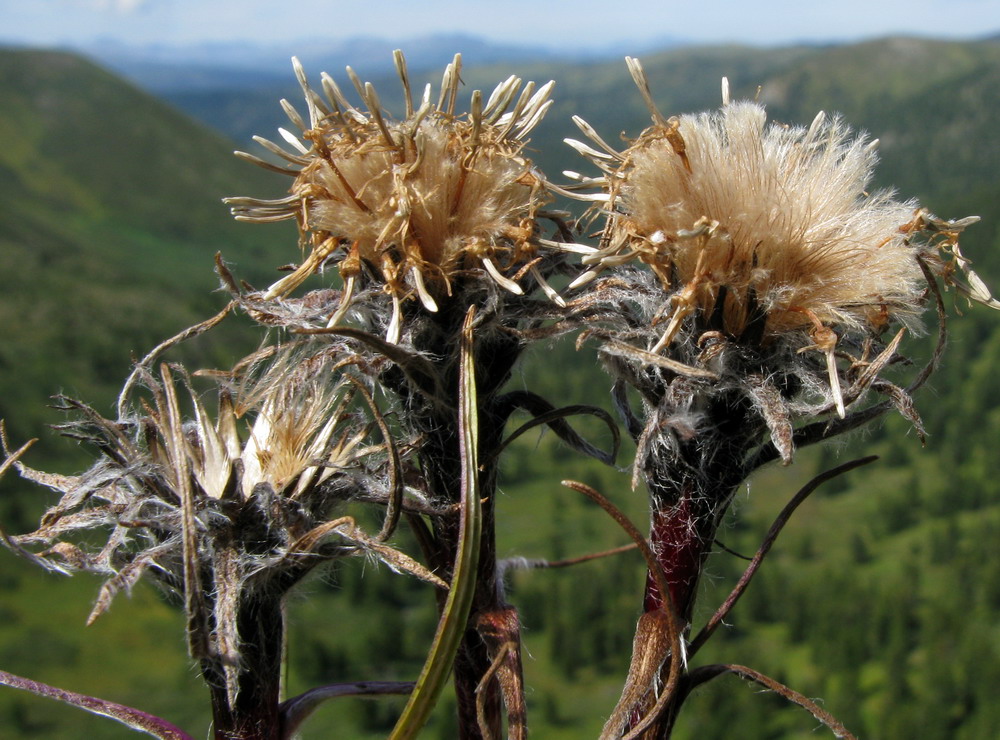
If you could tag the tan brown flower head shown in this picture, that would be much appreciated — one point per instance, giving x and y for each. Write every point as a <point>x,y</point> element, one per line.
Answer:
<point>724,206</point>
<point>414,202</point>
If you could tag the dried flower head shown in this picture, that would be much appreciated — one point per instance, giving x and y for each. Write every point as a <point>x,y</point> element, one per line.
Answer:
<point>222,515</point>
<point>745,213</point>
<point>415,203</point>
<point>768,229</point>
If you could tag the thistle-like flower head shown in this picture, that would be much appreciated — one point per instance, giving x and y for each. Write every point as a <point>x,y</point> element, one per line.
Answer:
<point>411,204</point>
<point>747,217</point>
<point>765,235</point>
<point>249,496</point>
<point>298,433</point>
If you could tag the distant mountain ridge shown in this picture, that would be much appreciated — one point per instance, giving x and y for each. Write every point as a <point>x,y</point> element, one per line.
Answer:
<point>110,214</point>
<point>890,87</point>
<point>177,69</point>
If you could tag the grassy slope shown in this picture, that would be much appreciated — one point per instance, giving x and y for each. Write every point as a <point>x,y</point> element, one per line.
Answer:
<point>109,220</point>
<point>110,215</point>
<point>114,200</point>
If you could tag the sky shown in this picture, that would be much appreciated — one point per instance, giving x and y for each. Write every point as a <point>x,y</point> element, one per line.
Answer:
<point>561,24</point>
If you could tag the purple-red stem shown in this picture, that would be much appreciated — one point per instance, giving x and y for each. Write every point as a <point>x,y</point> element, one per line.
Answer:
<point>680,551</point>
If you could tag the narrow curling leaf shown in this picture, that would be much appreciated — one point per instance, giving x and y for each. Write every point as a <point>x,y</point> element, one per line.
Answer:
<point>416,368</point>
<point>772,534</point>
<point>394,505</point>
<point>704,674</point>
<point>177,450</point>
<point>143,365</point>
<point>298,709</point>
<point>545,413</point>
<point>304,548</point>
<point>665,619</point>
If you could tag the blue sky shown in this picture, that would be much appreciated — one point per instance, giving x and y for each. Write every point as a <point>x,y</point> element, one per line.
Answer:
<point>558,24</point>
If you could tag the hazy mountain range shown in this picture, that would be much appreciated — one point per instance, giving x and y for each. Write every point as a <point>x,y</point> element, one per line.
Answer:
<point>241,65</point>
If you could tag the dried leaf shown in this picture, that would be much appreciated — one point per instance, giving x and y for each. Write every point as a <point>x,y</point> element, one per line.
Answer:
<point>194,597</point>
<point>133,718</point>
<point>618,348</point>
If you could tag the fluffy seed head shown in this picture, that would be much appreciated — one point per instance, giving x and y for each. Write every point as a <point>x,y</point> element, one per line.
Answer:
<point>738,215</point>
<point>414,202</point>
<point>764,234</point>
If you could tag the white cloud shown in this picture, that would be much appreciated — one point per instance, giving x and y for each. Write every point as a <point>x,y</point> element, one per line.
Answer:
<point>119,6</point>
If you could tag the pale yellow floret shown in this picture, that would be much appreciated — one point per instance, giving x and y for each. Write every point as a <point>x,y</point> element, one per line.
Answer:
<point>293,437</point>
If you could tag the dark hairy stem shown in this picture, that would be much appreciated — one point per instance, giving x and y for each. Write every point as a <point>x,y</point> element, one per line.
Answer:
<point>657,638</point>
<point>501,632</point>
<point>690,490</point>
<point>254,713</point>
<point>663,728</point>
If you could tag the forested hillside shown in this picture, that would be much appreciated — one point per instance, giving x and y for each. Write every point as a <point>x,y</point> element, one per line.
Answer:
<point>110,216</point>
<point>882,596</point>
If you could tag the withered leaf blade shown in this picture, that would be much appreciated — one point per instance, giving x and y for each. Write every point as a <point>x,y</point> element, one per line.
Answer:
<point>128,716</point>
